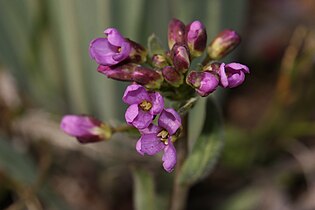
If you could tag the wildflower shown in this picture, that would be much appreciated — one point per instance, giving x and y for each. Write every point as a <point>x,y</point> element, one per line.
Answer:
<point>143,107</point>
<point>157,138</point>
<point>196,38</point>
<point>176,32</point>
<point>85,128</point>
<point>110,50</point>
<point>224,43</point>
<point>232,74</point>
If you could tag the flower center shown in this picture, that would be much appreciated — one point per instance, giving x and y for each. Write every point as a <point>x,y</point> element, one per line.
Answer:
<point>119,49</point>
<point>164,136</point>
<point>145,105</point>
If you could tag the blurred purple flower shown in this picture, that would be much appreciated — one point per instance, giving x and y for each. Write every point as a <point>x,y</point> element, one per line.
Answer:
<point>110,50</point>
<point>85,128</point>
<point>143,107</point>
<point>232,74</point>
<point>157,138</point>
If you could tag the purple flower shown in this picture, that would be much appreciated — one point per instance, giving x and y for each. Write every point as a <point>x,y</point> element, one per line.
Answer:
<point>157,138</point>
<point>85,128</point>
<point>143,107</point>
<point>232,74</point>
<point>110,50</point>
<point>196,38</point>
<point>204,82</point>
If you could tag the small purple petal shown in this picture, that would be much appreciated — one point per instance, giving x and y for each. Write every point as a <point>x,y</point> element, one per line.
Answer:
<point>151,144</point>
<point>223,76</point>
<point>124,52</point>
<point>138,147</point>
<point>169,157</point>
<point>238,66</point>
<point>143,119</point>
<point>157,103</point>
<point>114,37</point>
<point>101,51</point>
<point>131,113</point>
<point>151,129</point>
<point>170,120</point>
<point>236,79</point>
<point>135,94</point>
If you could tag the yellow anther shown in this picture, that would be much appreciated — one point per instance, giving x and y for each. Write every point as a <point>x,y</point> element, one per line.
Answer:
<point>145,105</point>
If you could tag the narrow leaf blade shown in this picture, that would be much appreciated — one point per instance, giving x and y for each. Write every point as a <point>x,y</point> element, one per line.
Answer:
<point>206,150</point>
<point>144,195</point>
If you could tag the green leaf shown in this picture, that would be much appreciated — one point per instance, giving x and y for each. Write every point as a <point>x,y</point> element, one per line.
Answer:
<point>206,149</point>
<point>144,195</point>
<point>154,46</point>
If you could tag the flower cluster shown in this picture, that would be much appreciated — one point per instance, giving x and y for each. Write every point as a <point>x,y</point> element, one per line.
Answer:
<point>156,73</point>
<point>144,107</point>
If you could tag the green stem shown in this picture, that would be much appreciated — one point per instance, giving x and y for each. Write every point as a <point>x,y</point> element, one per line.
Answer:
<point>180,191</point>
<point>123,128</point>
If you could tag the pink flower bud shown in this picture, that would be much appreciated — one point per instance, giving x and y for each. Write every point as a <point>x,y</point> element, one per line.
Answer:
<point>172,76</point>
<point>85,128</point>
<point>196,38</point>
<point>203,82</point>
<point>223,44</point>
<point>180,56</point>
<point>176,32</point>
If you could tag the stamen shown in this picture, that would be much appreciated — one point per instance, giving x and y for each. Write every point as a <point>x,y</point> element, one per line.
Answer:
<point>145,105</point>
<point>164,136</point>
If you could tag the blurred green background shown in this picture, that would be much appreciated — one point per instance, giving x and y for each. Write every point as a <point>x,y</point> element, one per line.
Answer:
<point>45,72</point>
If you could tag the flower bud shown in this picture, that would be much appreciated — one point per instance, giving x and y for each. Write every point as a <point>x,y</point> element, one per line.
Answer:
<point>172,76</point>
<point>159,61</point>
<point>138,54</point>
<point>180,57</point>
<point>232,74</point>
<point>85,128</point>
<point>176,32</point>
<point>196,38</point>
<point>121,72</point>
<point>147,77</point>
<point>223,44</point>
<point>203,82</point>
